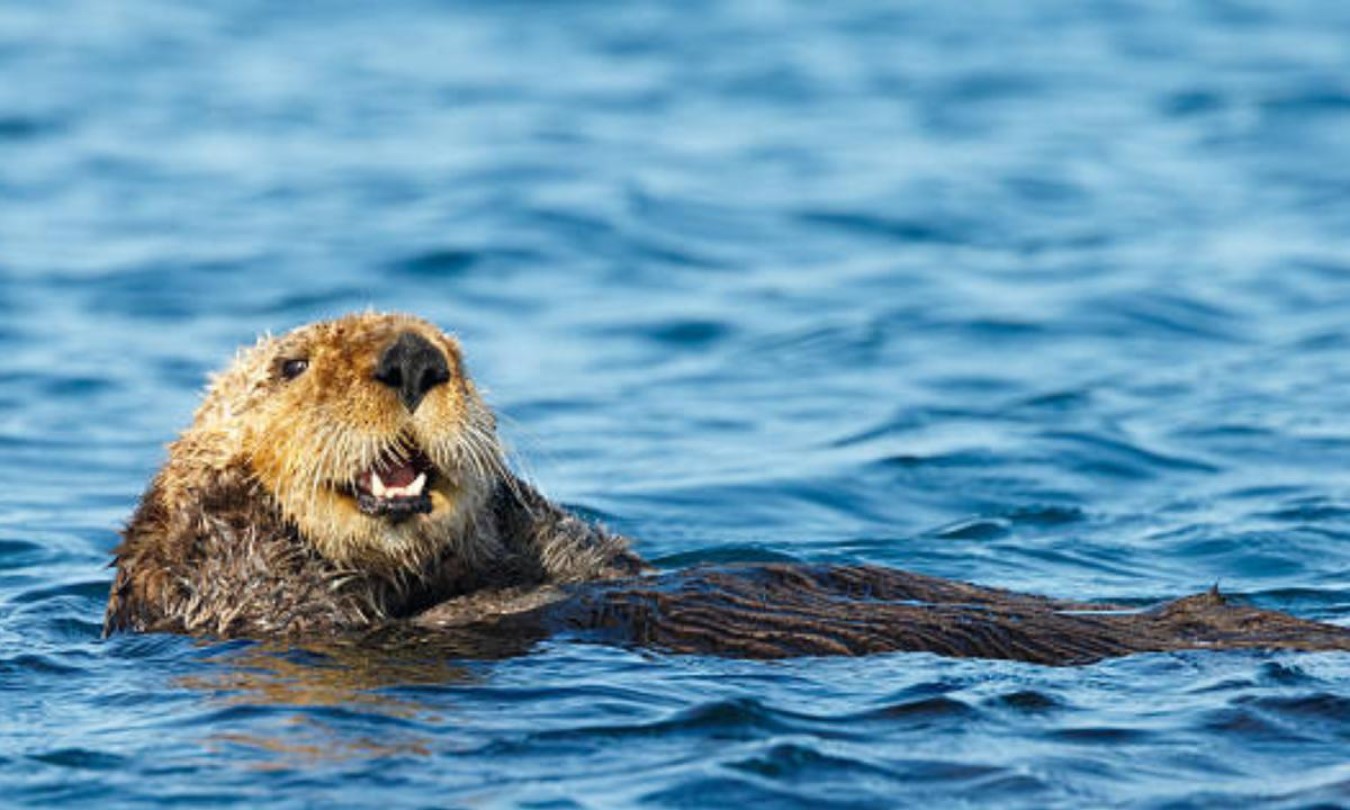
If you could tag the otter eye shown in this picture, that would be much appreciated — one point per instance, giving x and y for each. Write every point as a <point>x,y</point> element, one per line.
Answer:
<point>293,368</point>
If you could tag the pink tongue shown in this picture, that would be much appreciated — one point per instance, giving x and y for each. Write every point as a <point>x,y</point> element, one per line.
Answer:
<point>397,475</point>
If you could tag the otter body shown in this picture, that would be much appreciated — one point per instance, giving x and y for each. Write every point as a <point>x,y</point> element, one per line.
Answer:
<point>346,478</point>
<point>240,572</point>
<point>341,476</point>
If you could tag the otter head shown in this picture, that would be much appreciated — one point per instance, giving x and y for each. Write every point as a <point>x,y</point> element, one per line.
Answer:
<point>367,434</point>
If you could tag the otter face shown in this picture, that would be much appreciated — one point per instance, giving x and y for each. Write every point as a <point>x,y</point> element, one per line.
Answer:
<point>367,433</point>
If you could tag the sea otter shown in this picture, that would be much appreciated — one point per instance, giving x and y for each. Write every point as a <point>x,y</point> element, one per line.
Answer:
<point>345,474</point>
<point>346,478</point>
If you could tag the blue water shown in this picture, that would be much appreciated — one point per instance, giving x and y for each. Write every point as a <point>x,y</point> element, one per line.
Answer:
<point>1047,295</point>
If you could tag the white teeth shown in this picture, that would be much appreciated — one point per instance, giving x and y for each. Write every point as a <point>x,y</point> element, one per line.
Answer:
<point>412,490</point>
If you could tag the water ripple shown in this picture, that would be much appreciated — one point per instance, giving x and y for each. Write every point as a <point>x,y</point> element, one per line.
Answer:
<point>1046,295</point>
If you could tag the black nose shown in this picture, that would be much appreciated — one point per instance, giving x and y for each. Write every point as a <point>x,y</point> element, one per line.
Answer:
<point>412,366</point>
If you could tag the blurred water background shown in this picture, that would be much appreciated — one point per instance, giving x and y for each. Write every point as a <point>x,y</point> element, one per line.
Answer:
<point>1045,295</point>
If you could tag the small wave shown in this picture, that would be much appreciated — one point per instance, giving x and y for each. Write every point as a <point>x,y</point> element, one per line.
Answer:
<point>934,709</point>
<point>975,529</point>
<point>443,263</point>
<point>1117,457</point>
<point>1102,735</point>
<point>29,665</point>
<point>81,759</point>
<point>918,231</point>
<point>794,762</point>
<point>736,718</point>
<point>1027,701</point>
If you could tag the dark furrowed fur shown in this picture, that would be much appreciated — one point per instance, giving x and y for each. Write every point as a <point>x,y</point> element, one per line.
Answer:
<point>785,610</point>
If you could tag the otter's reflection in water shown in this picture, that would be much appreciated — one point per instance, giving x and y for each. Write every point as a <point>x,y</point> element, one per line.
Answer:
<point>278,706</point>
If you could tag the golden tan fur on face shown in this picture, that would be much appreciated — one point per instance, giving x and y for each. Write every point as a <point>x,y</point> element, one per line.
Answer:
<point>306,414</point>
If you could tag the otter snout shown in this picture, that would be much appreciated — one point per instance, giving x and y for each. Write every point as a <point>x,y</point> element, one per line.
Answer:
<point>412,366</point>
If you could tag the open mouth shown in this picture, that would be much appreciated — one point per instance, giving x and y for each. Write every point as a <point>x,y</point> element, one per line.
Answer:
<point>396,487</point>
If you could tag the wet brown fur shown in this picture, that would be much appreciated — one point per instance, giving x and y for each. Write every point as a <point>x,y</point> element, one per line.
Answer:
<point>782,610</point>
<point>246,532</point>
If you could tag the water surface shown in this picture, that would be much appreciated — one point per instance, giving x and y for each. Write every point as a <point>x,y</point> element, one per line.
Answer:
<point>1046,295</point>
